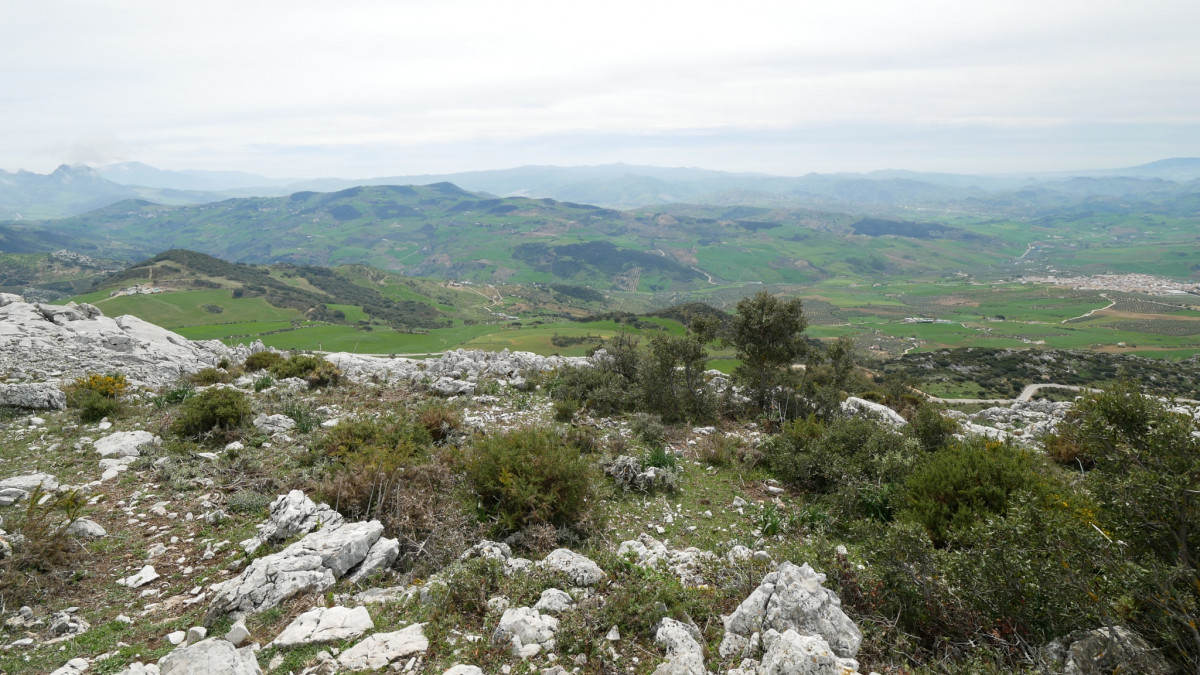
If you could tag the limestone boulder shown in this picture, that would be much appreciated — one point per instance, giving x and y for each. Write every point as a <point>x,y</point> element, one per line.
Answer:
<point>214,655</point>
<point>793,598</point>
<point>322,624</point>
<point>381,649</point>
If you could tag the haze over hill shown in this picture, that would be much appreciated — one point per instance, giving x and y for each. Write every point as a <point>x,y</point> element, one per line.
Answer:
<point>1170,184</point>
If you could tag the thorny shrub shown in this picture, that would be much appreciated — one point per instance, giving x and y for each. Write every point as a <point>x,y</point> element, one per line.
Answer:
<point>220,409</point>
<point>529,476</point>
<point>41,557</point>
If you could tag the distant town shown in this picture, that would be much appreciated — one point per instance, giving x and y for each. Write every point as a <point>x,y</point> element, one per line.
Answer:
<point>1128,283</point>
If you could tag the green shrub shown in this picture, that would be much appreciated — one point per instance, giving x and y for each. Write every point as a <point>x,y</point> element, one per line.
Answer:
<point>41,561</point>
<point>649,428</point>
<point>94,406</point>
<point>370,445</point>
<point>249,502</point>
<point>219,408</point>
<point>262,361</point>
<point>660,458</point>
<point>964,484</point>
<point>315,370</point>
<point>263,383</point>
<point>440,421</point>
<point>527,477</point>
<point>175,395</point>
<point>565,409</point>
<point>860,463</point>
<point>97,396</point>
<point>306,420</point>
<point>931,428</point>
<point>601,390</point>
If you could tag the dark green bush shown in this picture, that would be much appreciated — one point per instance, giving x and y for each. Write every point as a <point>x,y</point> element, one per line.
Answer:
<point>565,409</point>
<point>97,396</point>
<point>958,487</point>
<point>601,390</point>
<point>262,361</point>
<point>315,370</point>
<point>376,444</point>
<point>931,428</point>
<point>219,408</point>
<point>94,406</point>
<point>527,477</point>
<point>858,462</point>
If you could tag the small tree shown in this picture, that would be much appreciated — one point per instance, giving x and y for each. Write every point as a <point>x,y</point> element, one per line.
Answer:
<point>767,335</point>
<point>673,375</point>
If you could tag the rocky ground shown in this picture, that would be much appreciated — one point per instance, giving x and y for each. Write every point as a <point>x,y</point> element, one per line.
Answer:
<point>204,559</point>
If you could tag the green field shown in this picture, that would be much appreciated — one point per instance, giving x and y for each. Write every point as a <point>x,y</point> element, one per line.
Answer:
<point>187,308</point>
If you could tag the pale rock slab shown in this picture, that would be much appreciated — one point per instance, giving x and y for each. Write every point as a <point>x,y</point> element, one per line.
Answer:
<point>380,649</point>
<point>322,624</point>
<point>208,657</point>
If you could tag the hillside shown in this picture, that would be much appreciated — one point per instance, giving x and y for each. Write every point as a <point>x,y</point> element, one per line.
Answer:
<point>506,511</point>
<point>445,232</point>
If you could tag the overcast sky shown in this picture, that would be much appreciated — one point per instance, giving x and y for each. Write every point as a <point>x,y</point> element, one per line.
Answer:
<point>359,88</point>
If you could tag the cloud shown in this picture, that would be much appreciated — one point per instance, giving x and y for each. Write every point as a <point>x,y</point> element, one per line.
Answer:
<point>228,82</point>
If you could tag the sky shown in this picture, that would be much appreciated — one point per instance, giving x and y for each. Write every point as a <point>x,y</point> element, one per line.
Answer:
<point>361,88</point>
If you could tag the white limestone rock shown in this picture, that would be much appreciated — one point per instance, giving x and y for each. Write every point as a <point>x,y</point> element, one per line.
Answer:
<point>213,655</point>
<point>41,342</point>
<point>381,649</point>
<point>312,564</point>
<point>141,578</point>
<point>792,597</point>
<point>322,624</point>
<point>381,556</point>
<point>554,601</point>
<point>274,424</point>
<point>859,407</point>
<point>685,655</point>
<point>579,569</point>
<point>125,444</point>
<point>790,653</point>
<point>524,626</point>
<point>293,514</point>
<point>33,396</point>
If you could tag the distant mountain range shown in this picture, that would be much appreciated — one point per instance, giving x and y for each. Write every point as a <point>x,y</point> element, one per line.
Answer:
<point>1169,186</point>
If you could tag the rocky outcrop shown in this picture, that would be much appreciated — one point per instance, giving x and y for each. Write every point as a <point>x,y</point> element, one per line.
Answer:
<point>683,563</point>
<point>292,514</point>
<point>214,655</point>
<point>1023,422</point>
<point>33,396</point>
<point>381,649</point>
<point>791,598</point>
<point>1103,651</point>
<point>322,624</point>
<point>50,343</point>
<point>860,407</point>
<point>452,373</point>
<point>790,653</point>
<point>579,569</point>
<point>685,655</point>
<point>18,488</point>
<point>121,449</point>
<point>310,565</point>
<point>526,631</point>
